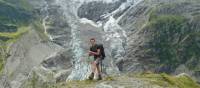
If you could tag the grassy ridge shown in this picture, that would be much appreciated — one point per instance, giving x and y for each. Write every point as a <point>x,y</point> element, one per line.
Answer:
<point>127,80</point>
<point>13,36</point>
<point>164,80</point>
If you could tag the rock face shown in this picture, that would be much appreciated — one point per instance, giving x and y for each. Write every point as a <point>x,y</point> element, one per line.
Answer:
<point>138,35</point>
<point>95,10</point>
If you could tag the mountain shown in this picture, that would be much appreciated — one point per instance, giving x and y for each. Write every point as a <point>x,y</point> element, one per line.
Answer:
<point>46,42</point>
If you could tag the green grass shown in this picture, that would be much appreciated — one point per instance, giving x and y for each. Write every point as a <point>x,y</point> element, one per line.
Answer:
<point>1,64</point>
<point>163,79</point>
<point>14,36</point>
<point>2,56</point>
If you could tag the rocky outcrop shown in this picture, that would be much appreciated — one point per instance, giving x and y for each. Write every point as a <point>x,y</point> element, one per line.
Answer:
<point>24,57</point>
<point>95,10</point>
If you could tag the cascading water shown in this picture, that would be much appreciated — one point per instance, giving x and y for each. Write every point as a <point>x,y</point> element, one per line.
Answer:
<point>70,9</point>
<point>46,16</point>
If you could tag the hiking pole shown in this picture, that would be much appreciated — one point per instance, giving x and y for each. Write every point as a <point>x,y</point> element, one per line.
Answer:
<point>101,67</point>
<point>101,63</point>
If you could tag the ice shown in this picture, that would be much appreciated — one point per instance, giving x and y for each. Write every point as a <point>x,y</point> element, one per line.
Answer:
<point>86,21</point>
<point>115,34</point>
<point>106,1</point>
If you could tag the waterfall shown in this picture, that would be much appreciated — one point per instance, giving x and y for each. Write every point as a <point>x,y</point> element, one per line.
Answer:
<point>46,16</point>
<point>69,9</point>
<point>117,36</point>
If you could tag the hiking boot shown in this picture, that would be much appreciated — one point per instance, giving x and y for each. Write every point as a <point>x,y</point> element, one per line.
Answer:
<point>91,76</point>
<point>99,77</point>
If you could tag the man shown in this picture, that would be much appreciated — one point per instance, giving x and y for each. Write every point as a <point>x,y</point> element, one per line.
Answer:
<point>95,51</point>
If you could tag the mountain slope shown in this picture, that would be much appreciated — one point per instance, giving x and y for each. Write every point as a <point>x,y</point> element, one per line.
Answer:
<point>163,37</point>
<point>14,21</point>
<point>48,42</point>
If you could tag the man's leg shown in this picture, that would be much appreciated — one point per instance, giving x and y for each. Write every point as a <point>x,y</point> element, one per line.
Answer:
<point>93,67</point>
<point>98,70</point>
<point>93,70</point>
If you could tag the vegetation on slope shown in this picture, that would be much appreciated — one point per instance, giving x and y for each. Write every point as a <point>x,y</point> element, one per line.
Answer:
<point>15,16</point>
<point>174,39</point>
<point>164,80</point>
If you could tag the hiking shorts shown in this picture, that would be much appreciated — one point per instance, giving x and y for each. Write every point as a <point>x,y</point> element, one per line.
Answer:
<point>98,60</point>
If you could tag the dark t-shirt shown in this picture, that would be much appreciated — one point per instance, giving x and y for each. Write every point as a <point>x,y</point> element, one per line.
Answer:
<point>94,49</point>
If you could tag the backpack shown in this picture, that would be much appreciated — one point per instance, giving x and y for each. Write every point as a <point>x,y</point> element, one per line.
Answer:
<point>102,51</point>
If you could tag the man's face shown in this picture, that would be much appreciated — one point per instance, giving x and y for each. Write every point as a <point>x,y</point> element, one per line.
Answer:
<point>92,42</point>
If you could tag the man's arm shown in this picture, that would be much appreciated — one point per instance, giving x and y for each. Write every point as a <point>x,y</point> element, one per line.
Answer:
<point>95,53</point>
